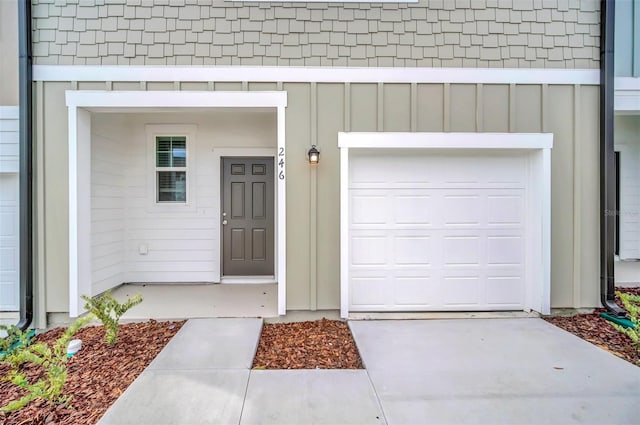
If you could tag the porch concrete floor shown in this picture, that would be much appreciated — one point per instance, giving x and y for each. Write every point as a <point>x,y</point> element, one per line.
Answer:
<point>627,273</point>
<point>186,301</point>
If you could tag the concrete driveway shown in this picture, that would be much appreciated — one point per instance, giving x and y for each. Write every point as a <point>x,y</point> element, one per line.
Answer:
<point>465,371</point>
<point>494,371</point>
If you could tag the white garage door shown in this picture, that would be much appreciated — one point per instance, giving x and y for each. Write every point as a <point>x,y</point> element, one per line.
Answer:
<point>9,232</point>
<point>437,232</point>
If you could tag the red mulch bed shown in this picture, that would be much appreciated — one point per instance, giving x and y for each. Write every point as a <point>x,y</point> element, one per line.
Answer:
<point>598,331</point>
<point>97,374</point>
<point>322,344</point>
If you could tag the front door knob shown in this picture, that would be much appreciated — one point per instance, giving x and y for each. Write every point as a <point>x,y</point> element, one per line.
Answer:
<point>224,222</point>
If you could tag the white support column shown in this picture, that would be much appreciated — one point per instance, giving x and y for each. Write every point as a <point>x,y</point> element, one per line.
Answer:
<point>344,231</point>
<point>281,232</point>
<point>79,208</point>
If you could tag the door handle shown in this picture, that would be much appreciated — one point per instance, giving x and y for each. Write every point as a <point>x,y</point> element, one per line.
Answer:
<point>224,222</point>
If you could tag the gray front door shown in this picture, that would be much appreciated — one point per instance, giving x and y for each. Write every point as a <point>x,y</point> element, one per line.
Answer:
<point>247,216</point>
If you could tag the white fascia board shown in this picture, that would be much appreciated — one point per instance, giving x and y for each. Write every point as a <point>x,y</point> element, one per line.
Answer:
<point>316,74</point>
<point>9,112</point>
<point>174,99</point>
<point>324,1</point>
<point>382,140</point>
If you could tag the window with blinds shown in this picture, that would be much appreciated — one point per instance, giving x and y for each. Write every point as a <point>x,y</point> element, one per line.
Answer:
<point>171,168</point>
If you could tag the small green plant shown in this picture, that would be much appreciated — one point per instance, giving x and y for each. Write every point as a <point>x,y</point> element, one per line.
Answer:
<point>631,303</point>
<point>53,361</point>
<point>108,310</point>
<point>16,339</point>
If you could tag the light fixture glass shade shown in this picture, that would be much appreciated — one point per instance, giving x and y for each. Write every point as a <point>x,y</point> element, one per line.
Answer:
<point>314,155</point>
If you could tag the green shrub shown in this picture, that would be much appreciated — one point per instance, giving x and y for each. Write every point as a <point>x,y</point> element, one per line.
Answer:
<point>631,303</point>
<point>53,362</point>
<point>108,310</point>
<point>16,339</point>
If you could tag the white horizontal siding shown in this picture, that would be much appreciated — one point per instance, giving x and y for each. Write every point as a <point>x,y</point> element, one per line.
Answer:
<point>627,130</point>
<point>108,222</point>
<point>160,229</point>
<point>9,139</point>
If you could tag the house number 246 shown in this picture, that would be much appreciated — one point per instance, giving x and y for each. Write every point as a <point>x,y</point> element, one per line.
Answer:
<point>281,163</point>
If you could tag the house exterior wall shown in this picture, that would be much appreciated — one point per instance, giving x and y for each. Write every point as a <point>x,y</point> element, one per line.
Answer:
<point>627,142</point>
<point>429,33</point>
<point>9,139</point>
<point>570,112</point>
<point>9,49</point>
<point>109,158</point>
<point>627,38</point>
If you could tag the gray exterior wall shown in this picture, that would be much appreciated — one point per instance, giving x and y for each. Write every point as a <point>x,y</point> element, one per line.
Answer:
<point>569,112</point>
<point>9,49</point>
<point>627,38</point>
<point>430,33</point>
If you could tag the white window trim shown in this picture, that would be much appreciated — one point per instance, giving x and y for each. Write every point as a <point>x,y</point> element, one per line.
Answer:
<point>190,132</point>
<point>537,297</point>
<point>81,103</point>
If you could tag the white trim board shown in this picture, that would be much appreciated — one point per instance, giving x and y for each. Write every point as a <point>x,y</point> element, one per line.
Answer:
<point>627,95</point>
<point>81,103</point>
<point>174,99</point>
<point>539,146</point>
<point>316,74</point>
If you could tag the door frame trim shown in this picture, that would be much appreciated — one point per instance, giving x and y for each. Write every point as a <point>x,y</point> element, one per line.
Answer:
<point>218,155</point>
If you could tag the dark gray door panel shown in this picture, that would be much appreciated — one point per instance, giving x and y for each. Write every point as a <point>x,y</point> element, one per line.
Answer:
<point>247,216</point>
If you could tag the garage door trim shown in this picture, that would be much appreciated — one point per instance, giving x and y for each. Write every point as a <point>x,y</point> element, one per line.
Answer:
<point>537,148</point>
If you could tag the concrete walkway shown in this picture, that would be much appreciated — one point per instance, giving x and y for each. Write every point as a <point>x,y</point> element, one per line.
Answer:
<point>480,371</point>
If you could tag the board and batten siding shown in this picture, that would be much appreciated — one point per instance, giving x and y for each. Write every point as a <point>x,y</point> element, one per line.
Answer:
<point>316,112</point>
<point>428,33</point>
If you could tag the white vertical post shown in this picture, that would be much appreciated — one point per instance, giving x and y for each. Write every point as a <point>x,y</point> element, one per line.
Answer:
<point>546,231</point>
<point>73,212</point>
<point>281,233</point>
<point>344,230</point>
<point>79,122</point>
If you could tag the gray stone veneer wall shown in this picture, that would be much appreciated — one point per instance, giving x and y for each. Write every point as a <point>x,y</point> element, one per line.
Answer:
<point>430,33</point>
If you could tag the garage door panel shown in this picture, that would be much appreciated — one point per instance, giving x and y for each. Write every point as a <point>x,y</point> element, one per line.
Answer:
<point>504,290</point>
<point>505,250</point>
<point>461,250</point>
<point>461,290</point>
<point>463,210</point>
<point>413,291</point>
<point>439,232</point>
<point>414,209</point>
<point>369,291</point>
<point>369,250</point>
<point>413,250</point>
<point>369,209</point>
<point>505,209</point>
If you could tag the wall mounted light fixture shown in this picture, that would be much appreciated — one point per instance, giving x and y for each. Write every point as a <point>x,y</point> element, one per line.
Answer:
<point>314,155</point>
